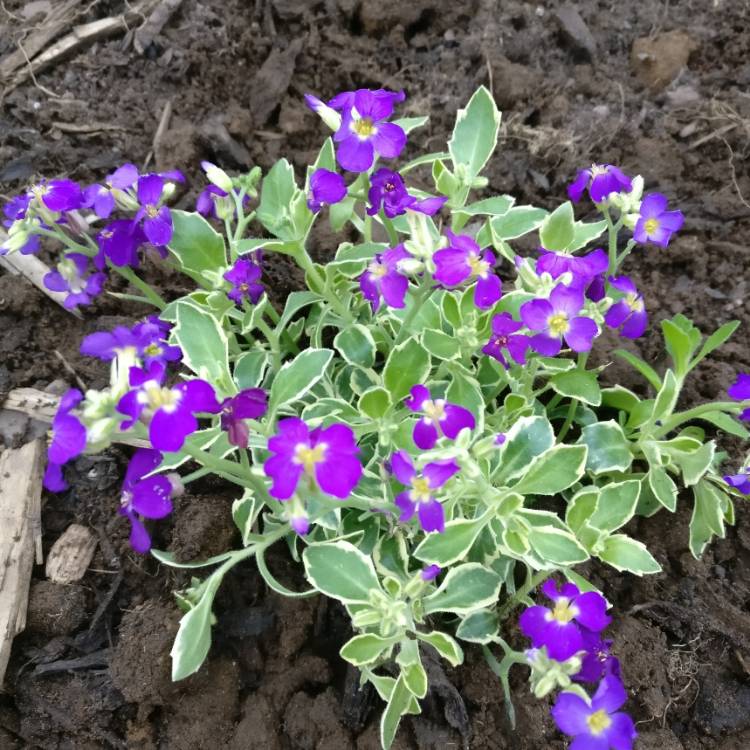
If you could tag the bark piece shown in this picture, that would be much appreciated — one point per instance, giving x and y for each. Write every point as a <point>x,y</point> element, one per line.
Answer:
<point>71,554</point>
<point>20,538</point>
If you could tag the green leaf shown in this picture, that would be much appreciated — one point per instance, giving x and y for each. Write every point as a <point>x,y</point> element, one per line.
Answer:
<point>584,233</point>
<point>407,124</point>
<point>375,402</point>
<point>356,345</point>
<point>678,345</point>
<point>391,556</point>
<point>398,705</point>
<point>495,206</point>
<point>715,340</point>
<point>479,627</point>
<point>204,344</point>
<point>475,133</point>
<point>444,645</point>
<point>440,345</point>
<point>407,365</point>
<point>193,641</point>
<point>277,192</point>
<point>555,546</point>
<point>726,423</point>
<point>694,465</point>
<point>465,391</point>
<point>579,384</point>
<point>527,438</point>
<point>558,228</point>
<point>351,260</point>
<point>645,369</point>
<point>250,368</point>
<point>452,545</point>
<point>626,554</point>
<point>341,571</point>
<point>619,397</point>
<point>466,587</point>
<point>516,222</point>
<point>245,512</point>
<point>663,488</point>
<point>553,471</point>
<point>195,243</point>
<point>666,398</point>
<point>609,449</point>
<point>364,649</point>
<point>297,377</point>
<point>581,507</point>
<point>708,516</point>
<point>616,505</point>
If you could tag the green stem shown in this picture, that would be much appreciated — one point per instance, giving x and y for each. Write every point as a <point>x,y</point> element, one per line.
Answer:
<point>388,224</point>
<point>733,407</point>
<point>418,298</point>
<point>127,273</point>
<point>368,228</point>
<point>306,263</point>
<point>217,464</point>
<point>612,230</point>
<point>67,241</point>
<point>582,358</point>
<point>531,583</point>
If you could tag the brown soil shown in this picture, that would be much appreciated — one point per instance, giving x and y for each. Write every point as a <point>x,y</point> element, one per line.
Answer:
<point>92,670</point>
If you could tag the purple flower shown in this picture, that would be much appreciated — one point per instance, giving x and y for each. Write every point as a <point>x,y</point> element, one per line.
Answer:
<point>120,240</point>
<point>364,131</point>
<point>438,418</point>
<point>155,218</point>
<point>326,188</point>
<point>205,204</point>
<point>500,438</point>
<point>389,193</point>
<point>740,481</point>
<point>601,180</point>
<point>147,498</point>
<point>244,277</point>
<point>101,197</point>
<point>146,339</point>
<point>68,440</point>
<point>300,524</point>
<point>629,313</point>
<point>15,209</point>
<point>252,403</point>
<point>383,279</point>
<point>431,572</point>
<point>106,345</point>
<point>740,390</point>
<point>464,260</point>
<point>419,498</point>
<point>59,195</point>
<point>583,268</point>
<point>557,628</point>
<point>347,98</point>
<point>557,318</point>
<point>598,660</point>
<point>70,277</point>
<point>327,456</point>
<point>656,224</point>
<point>169,412</point>
<point>504,336</point>
<point>596,726</point>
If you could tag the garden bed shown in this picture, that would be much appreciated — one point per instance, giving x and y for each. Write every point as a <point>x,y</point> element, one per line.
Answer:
<point>235,73</point>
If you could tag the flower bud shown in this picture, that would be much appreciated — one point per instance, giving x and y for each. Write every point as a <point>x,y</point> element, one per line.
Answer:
<point>329,116</point>
<point>217,176</point>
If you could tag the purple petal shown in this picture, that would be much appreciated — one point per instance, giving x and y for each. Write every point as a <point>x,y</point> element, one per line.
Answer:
<point>143,462</point>
<point>452,266</point>
<point>581,333</point>
<point>327,187</point>
<point>429,206</point>
<point>419,394</point>
<point>621,734</point>
<point>547,346</point>
<point>338,475</point>
<point>159,228</point>
<point>456,418</point>
<point>566,300</point>
<point>570,713</point>
<point>504,324</point>
<point>151,497</point>
<point>68,439</point>
<point>150,188</point>
<point>53,478</point>
<point>123,177</point>
<point>576,188</point>
<point>592,608</point>
<point>535,314</point>
<point>285,476</point>
<point>168,430</point>
<point>393,287</point>
<point>425,434</point>
<point>55,282</point>
<point>402,467</point>
<point>609,696</point>
<point>488,291</point>
<point>389,140</point>
<point>198,396</point>
<point>369,105</point>
<point>563,640</point>
<point>438,473</point>
<point>740,389</point>
<point>140,540</point>
<point>518,346</point>
<point>672,220</point>
<point>431,516</point>
<point>653,205</point>
<point>62,195</point>
<point>355,155</point>
<point>533,623</point>
<point>617,314</point>
<point>635,325</point>
<point>407,506</point>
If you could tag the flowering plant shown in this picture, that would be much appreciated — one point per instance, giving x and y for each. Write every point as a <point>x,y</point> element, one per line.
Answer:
<point>402,421</point>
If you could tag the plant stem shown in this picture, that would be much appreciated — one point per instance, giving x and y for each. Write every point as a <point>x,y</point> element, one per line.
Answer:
<point>419,297</point>
<point>532,582</point>
<point>388,224</point>
<point>734,407</point>
<point>127,273</point>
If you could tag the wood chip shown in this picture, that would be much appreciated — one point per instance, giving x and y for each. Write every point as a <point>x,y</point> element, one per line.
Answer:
<point>20,537</point>
<point>160,15</point>
<point>88,127</point>
<point>70,556</point>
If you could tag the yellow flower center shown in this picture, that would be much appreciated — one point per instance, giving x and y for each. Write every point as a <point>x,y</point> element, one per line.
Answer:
<point>634,302</point>
<point>160,398</point>
<point>39,190</point>
<point>364,127</point>
<point>420,490</point>
<point>651,226</point>
<point>152,350</point>
<point>434,410</point>
<point>478,266</point>
<point>309,457</point>
<point>377,270</point>
<point>563,612</point>
<point>598,722</point>
<point>558,324</point>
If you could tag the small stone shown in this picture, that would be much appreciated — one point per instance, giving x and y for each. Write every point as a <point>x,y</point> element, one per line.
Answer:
<point>574,31</point>
<point>657,60</point>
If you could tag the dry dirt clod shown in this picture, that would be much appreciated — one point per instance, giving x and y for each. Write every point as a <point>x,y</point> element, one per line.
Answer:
<point>575,31</point>
<point>657,60</point>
